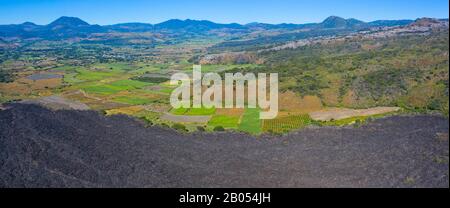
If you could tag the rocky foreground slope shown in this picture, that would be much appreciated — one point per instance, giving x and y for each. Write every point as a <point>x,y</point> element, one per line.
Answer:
<point>43,148</point>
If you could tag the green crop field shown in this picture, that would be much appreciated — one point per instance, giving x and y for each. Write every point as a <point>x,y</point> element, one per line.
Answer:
<point>228,122</point>
<point>102,89</point>
<point>179,111</point>
<point>130,84</point>
<point>194,111</point>
<point>200,112</point>
<point>71,79</point>
<point>250,121</point>
<point>94,75</point>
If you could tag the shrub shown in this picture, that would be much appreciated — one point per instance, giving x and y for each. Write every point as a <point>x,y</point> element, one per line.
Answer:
<point>434,104</point>
<point>179,127</point>
<point>219,128</point>
<point>357,123</point>
<point>148,121</point>
<point>5,76</point>
<point>201,128</point>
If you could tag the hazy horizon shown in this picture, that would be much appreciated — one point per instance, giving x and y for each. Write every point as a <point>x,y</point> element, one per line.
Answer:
<point>269,11</point>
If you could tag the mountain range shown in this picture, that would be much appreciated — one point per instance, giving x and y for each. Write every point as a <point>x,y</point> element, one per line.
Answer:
<point>71,27</point>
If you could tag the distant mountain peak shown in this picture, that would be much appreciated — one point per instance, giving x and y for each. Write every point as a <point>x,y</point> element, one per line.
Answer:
<point>194,24</point>
<point>334,22</point>
<point>28,24</point>
<point>339,22</point>
<point>69,22</point>
<point>333,18</point>
<point>186,21</point>
<point>173,20</point>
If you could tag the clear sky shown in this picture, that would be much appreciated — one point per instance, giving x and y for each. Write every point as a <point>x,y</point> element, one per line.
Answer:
<point>223,11</point>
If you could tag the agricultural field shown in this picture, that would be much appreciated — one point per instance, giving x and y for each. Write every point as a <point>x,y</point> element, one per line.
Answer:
<point>194,111</point>
<point>336,80</point>
<point>250,121</point>
<point>227,122</point>
<point>286,124</point>
<point>120,88</point>
<point>142,91</point>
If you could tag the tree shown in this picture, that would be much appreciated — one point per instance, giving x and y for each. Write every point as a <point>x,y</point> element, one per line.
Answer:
<point>5,76</point>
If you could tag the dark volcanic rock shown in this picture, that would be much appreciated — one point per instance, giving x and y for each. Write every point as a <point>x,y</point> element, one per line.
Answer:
<point>42,148</point>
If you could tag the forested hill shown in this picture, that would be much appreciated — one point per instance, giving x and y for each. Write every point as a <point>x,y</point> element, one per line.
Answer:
<point>72,27</point>
<point>409,70</point>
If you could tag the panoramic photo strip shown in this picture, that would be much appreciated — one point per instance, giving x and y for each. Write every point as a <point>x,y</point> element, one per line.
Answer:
<point>224,94</point>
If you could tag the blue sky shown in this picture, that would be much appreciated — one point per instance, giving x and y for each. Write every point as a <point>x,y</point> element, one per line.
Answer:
<point>224,11</point>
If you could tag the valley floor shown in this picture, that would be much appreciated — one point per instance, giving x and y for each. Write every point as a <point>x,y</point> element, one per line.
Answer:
<point>43,148</point>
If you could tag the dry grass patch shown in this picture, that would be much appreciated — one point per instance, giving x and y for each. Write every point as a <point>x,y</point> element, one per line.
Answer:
<point>230,111</point>
<point>46,84</point>
<point>14,88</point>
<point>292,102</point>
<point>158,107</point>
<point>132,110</point>
<point>23,87</point>
<point>330,96</point>
<point>349,99</point>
